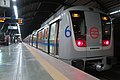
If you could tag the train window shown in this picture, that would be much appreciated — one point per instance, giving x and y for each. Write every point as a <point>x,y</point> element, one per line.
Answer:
<point>78,24</point>
<point>52,35</point>
<point>46,33</point>
<point>39,35</point>
<point>43,34</point>
<point>106,29</point>
<point>78,21</point>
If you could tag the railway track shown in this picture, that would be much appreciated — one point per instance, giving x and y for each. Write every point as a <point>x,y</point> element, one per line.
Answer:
<point>112,74</point>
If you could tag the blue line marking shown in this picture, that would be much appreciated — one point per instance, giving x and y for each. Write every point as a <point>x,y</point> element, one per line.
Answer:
<point>46,44</point>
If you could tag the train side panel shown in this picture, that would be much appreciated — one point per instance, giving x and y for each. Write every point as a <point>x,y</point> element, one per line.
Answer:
<point>66,49</point>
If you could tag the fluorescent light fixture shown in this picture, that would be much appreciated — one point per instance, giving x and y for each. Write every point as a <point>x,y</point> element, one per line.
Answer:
<point>59,17</point>
<point>18,26</point>
<point>114,12</point>
<point>13,0</point>
<point>15,11</point>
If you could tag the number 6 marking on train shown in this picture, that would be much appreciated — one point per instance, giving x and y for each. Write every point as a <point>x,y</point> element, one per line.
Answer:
<point>67,32</point>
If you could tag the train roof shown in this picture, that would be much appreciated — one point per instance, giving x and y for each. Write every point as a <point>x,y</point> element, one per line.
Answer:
<point>85,8</point>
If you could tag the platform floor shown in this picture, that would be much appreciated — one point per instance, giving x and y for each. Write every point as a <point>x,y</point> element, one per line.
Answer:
<point>17,62</point>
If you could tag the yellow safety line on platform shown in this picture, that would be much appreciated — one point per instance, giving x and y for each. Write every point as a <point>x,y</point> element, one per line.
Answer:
<point>55,74</point>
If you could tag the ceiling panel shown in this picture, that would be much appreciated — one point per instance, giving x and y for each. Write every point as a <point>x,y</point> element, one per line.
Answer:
<point>35,12</point>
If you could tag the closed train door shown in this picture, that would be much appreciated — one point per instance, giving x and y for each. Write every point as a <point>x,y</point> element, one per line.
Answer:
<point>94,34</point>
<point>53,38</point>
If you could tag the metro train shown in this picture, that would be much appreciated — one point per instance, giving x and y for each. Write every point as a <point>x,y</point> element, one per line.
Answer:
<point>81,36</point>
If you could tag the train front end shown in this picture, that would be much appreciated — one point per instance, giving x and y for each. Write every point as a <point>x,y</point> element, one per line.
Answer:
<point>93,38</point>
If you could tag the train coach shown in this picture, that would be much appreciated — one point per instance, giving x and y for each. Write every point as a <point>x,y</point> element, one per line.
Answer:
<point>81,36</point>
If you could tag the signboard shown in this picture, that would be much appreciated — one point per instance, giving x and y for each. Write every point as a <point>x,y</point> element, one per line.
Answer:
<point>2,19</point>
<point>5,3</point>
<point>12,27</point>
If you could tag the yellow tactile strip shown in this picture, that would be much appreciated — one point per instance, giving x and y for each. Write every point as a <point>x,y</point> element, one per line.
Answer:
<point>55,74</point>
<point>69,72</point>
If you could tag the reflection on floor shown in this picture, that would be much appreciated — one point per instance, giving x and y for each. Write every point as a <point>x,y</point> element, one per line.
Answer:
<point>16,63</point>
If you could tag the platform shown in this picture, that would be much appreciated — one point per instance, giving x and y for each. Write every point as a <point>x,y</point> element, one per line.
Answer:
<point>23,62</point>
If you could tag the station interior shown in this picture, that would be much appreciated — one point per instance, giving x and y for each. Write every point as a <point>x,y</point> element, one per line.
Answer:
<point>21,61</point>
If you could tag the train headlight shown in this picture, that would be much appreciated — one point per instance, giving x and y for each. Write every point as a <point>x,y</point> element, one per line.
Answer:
<point>75,15</point>
<point>99,67</point>
<point>104,18</point>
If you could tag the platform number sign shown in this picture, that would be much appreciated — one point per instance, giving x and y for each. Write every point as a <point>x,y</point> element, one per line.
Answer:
<point>67,32</point>
<point>5,3</point>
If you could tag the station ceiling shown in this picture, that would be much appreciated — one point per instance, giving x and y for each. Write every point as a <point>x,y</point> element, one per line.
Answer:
<point>35,12</point>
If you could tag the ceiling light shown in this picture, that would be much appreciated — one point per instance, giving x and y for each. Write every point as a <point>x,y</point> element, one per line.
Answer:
<point>15,11</point>
<point>114,12</point>
<point>14,0</point>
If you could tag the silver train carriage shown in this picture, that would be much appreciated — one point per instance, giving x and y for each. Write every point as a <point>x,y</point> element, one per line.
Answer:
<point>80,36</point>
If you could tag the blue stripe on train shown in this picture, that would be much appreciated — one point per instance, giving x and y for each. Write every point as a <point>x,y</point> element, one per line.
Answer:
<point>46,44</point>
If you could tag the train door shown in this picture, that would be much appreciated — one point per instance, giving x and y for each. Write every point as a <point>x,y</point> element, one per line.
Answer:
<point>94,34</point>
<point>40,40</point>
<point>32,40</point>
<point>46,30</point>
<point>53,38</point>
